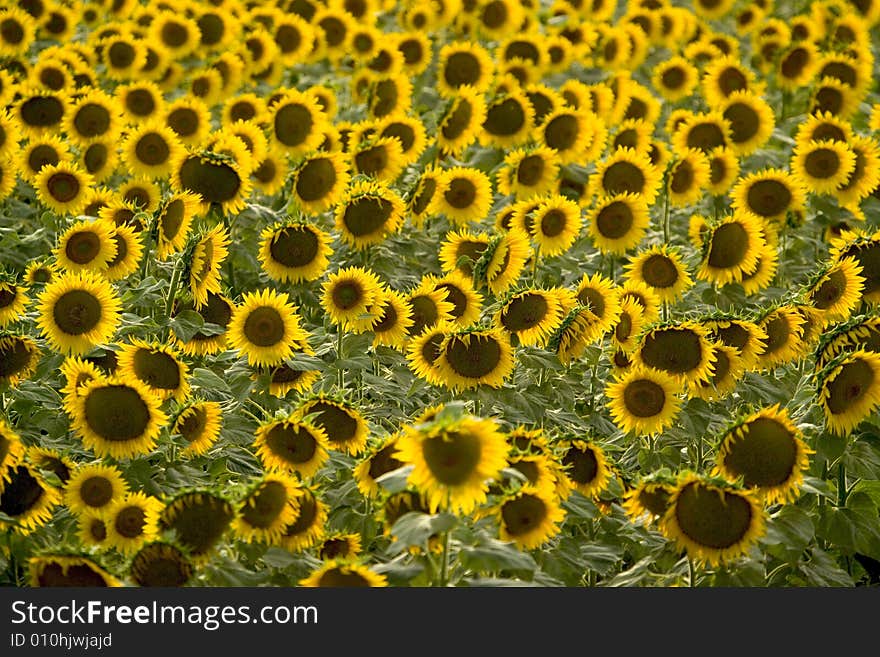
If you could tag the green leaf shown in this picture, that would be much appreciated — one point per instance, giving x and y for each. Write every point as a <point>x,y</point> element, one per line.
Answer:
<point>415,528</point>
<point>492,555</point>
<point>396,480</point>
<point>186,324</point>
<point>601,558</point>
<point>277,558</point>
<point>862,458</point>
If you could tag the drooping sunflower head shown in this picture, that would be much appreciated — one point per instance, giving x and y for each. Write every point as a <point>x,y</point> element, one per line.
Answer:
<point>340,546</point>
<point>378,461</point>
<point>730,249</point>
<point>19,355</point>
<point>208,254</point>
<point>269,505</point>
<point>848,390</point>
<point>784,327</point>
<point>649,499</point>
<point>767,451</point>
<point>714,521</point>
<point>837,291</point>
<point>200,519</point>
<point>344,573</point>
<point>453,457</point>
<point>68,570</point>
<point>343,425</point>
<point>26,498</point>
<point>307,529</point>
<point>159,563</point>
<point>585,466</point>
<point>216,313</point>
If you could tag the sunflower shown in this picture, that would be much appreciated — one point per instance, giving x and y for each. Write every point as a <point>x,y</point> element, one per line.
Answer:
<point>575,135</point>
<point>292,445</point>
<point>132,521</point>
<point>349,296</point>
<point>453,459</point>
<point>462,250</point>
<point>633,133</point>
<point>13,300</point>
<point>643,400</point>
<point>17,31</point>
<point>320,180</point>
<point>714,521</point>
<point>78,311</point>
<point>822,166</point>
<point>48,150</point>
<point>784,328</point>
<point>466,301</point>
<point>688,177</point>
<point>379,460</point>
<point>158,563</point>
<point>466,195</point>
<point>675,78</point>
<point>427,306</point>
<point>555,224</point>
<point>68,570</point>
<point>129,253</point>
<point>190,119</point>
<point>731,249</point>
<point>529,172</point>
<point>199,519</point>
<point>157,366</point>
<point>368,213</point>
<point>838,291</point>
<point>509,120</point>
<point>140,101</point>
<point>63,188</point>
<point>585,467</point>
<point>864,178</point>
<point>18,359</point>
<point>797,65</point>
<point>216,313</point>
<point>765,270</point>
<point>175,217</point>
<point>644,296</point>
<point>649,499</point>
<point>267,508</point>
<point>746,337</point>
<point>459,126</point>
<point>92,528</point>
<point>27,499</point>
<point>40,112</point>
<point>529,518</point>
<point>504,261</point>
<point>343,573</point>
<point>264,327</point>
<point>626,172</point>
<point>151,148</point>
<point>681,350</point>
<point>725,76</point>
<point>409,131</point>
<point>86,245</point>
<point>199,424</point>
<point>307,528</point>
<point>294,252</point>
<point>619,222</point>
<point>423,353</point>
<point>727,370</point>
<point>473,357</point>
<point>660,267</point>
<point>208,255</point>
<point>769,194</point>
<point>767,451</point>
<point>751,121</point>
<point>463,63</point>
<point>849,390</point>
<point>12,451</point>
<point>532,315</point>
<point>297,123</point>
<point>340,546</point>
<point>344,427</point>
<point>723,170</point>
<point>395,320</point>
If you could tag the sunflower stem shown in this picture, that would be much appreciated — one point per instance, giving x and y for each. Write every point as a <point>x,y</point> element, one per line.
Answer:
<point>666,208</point>
<point>536,259</point>
<point>340,374</point>
<point>841,485</point>
<point>444,563</point>
<point>148,245</point>
<point>692,573</point>
<point>172,292</point>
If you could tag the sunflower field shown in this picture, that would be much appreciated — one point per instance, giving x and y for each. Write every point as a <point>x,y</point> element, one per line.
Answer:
<point>439,293</point>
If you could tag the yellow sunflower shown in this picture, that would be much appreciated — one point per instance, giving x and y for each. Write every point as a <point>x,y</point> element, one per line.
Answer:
<point>619,222</point>
<point>529,518</point>
<point>78,311</point>
<point>307,529</point>
<point>822,166</point>
<point>294,252</point>
<point>291,445</point>
<point>661,268</point>
<point>849,390</point>
<point>768,194</point>
<point>343,573</point>
<point>199,423</point>
<point>731,249</point>
<point>368,213</point>
<point>423,352</point>
<point>349,295</point>
<point>267,508</point>
<point>320,180</point>
<point>63,188</point>
<point>585,466</point>
<point>466,195</point>
<point>395,319</point>
<point>453,460</point>
<point>264,327</point>
<point>838,291</point>
<point>133,521</point>
<point>208,255</point>
<point>643,400</point>
<point>27,499</point>
<point>117,418</point>
<point>473,357</point>
<point>532,315</point>
<point>68,570</point>
<point>767,450</point>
